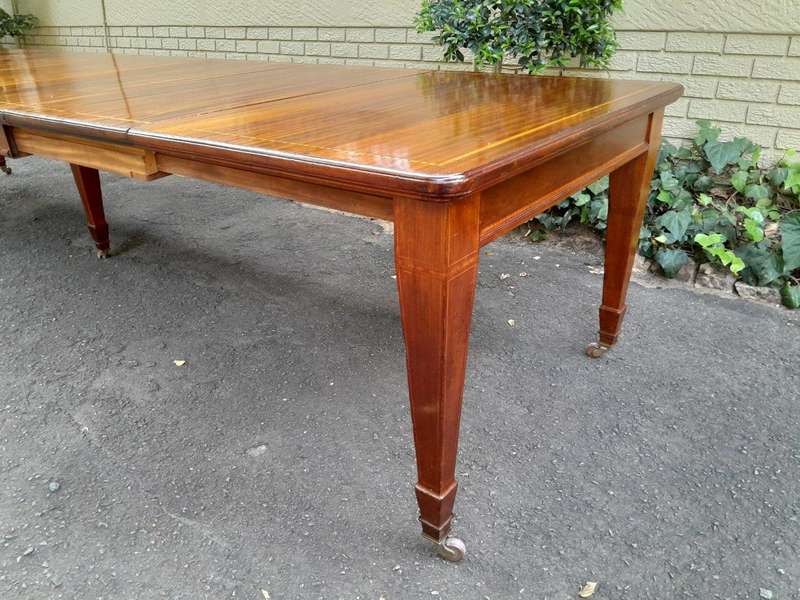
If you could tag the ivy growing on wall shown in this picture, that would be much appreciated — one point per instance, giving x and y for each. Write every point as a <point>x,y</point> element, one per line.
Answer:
<point>712,202</point>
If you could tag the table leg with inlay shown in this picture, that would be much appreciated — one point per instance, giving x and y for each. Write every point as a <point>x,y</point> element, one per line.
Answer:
<point>436,255</point>
<point>87,181</point>
<point>628,193</point>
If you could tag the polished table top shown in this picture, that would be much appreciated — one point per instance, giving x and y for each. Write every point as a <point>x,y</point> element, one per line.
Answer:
<point>437,132</point>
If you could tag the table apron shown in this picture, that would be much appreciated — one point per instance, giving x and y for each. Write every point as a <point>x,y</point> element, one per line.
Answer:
<point>128,161</point>
<point>297,190</point>
<point>503,206</point>
<point>519,199</point>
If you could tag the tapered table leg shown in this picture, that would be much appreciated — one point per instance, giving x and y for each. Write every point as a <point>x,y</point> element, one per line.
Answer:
<point>436,255</point>
<point>88,182</point>
<point>629,189</point>
<point>3,166</point>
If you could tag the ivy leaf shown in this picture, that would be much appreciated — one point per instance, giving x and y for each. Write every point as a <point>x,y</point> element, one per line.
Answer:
<point>752,212</point>
<point>708,240</point>
<point>581,199</point>
<point>739,181</point>
<point>790,241</point>
<point>792,181</point>
<point>757,191</point>
<point>646,248</point>
<point>706,132</point>
<point>763,267</point>
<point>684,200</point>
<point>722,154</point>
<point>763,203</point>
<point>727,258</point>
<point>599,186</point>
<point>667,149</point>
<point>598,209</point>
<point>777,176</point>
<point>704,199</point>
<point>703,183</point>
<point>668,181</point>
<point>665,197</point>
<point>754,230</point>
<point>671,261</point>
<point>790,294</point>
<point>676,223</point>
<point>737,264</point>
<point>548,220</point>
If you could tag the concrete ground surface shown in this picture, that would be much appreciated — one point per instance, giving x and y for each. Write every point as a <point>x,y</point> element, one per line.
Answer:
<point>278,459</point>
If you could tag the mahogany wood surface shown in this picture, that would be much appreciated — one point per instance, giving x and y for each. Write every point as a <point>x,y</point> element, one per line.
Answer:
<point>5,145</point>
<point>433,133</point>
<point>436,257</point>
<point>136,163</point>
<point>629,188</point>
<point>87,180</point>
<point>330,197</point>
<point>454,159</point>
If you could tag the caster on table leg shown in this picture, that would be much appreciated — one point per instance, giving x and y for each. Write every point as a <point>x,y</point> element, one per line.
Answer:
<point>6,170</point>
<point>451,549</point>
<point>101,254</point>
<point>596,350</point>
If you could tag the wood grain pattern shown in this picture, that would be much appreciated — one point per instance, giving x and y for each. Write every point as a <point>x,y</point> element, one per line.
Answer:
<point>627,201</point>
<point>436,134</point>
<point>122,91</point>
<point>87,180</point>
<point>425,133</point>
<point>290,189</point>
<point>519,199</point>
<point>454,159</point>
<point>5,144</point>
<point>136,163</point>
<point>436,256</point>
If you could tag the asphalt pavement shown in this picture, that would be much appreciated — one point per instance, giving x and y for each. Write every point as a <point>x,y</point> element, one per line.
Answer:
<point>274,458</point>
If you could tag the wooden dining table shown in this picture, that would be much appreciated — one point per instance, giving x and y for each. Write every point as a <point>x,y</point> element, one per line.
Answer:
<point>453,159</point>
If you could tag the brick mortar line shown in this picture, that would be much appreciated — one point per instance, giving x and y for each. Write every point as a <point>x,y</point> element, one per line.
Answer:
<point>623,49</point>
<point>618,30</point>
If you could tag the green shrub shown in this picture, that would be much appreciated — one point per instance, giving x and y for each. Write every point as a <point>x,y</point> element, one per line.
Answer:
<point>15,25</point>
<point>537,33</point>
<point>712,202</point>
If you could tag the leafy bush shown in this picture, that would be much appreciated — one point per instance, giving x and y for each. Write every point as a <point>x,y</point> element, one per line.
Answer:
<point>714,203</point>
<point>537,33</point>
<point>15,25</point>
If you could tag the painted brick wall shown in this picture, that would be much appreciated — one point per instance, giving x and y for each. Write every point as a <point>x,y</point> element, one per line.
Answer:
<point>749,83</point>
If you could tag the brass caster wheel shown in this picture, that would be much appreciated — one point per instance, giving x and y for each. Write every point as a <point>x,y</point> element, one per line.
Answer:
<point>596,350</point>
<point>6,170</point>
<point>102,254</point>
<point>451,549</point>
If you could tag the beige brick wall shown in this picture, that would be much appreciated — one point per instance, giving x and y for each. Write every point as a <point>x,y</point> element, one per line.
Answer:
<point>749,83</point>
